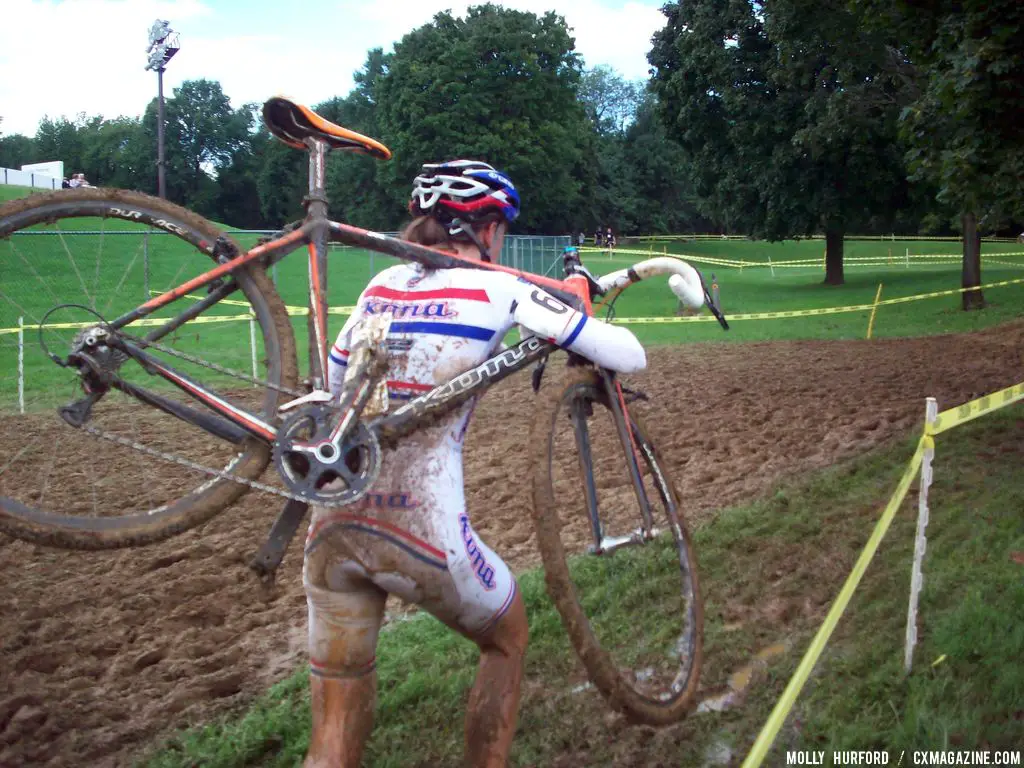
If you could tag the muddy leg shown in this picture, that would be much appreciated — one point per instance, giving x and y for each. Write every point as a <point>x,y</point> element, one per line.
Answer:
<point>342,720</point>
<point>494,699</point>
<point>345,614</point>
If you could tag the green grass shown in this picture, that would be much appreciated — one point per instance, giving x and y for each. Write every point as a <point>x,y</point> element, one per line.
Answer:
<point>770,570</point>
<point>40,272</point>
<point>756,290</point>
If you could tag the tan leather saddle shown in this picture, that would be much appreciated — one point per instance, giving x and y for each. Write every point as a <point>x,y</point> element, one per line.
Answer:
<point>293,123</point>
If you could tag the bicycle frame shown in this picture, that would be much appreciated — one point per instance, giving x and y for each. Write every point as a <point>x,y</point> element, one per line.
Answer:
<point>234,423</point>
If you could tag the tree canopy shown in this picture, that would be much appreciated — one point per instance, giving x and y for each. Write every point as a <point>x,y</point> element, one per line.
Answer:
<point>783,114</point>
<point>771,119</point>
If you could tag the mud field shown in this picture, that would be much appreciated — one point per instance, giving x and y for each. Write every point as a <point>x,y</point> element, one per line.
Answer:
<point>102,652</point>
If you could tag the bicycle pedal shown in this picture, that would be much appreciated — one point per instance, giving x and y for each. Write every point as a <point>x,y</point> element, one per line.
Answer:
<point>317,396</point>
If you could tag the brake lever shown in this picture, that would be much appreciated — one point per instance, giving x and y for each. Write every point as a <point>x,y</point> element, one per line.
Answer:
<point>538,373</point>
<point>711,305</point>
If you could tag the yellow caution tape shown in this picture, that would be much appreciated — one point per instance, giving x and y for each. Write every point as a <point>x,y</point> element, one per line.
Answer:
<point>147,321</point>
<point>348,310</point>
<point>954,417</point>
<point>233,302</point>
<point>803,671</point>
<point>883,238</point>
<point>862,261</point>
<point>809,312</point>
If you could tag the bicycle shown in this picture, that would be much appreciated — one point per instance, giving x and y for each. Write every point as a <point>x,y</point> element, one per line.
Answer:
<point>326,451</point>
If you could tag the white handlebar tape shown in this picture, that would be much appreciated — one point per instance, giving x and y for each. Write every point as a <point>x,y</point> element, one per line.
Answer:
<point>683,279</point>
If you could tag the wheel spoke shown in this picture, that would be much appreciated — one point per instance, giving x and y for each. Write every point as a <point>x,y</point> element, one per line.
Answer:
<point>74,266</point>
<point>46,463</point>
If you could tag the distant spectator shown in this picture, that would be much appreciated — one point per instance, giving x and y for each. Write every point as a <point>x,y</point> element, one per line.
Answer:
<point>581,240</point>
<point>65,184</point>
<point>597,238</point>
<point>79,180</point>
<point>1020,237</point>
<point>609,238</point>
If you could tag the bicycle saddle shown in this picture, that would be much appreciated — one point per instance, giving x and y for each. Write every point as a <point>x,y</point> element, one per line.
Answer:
<point>293,123</point>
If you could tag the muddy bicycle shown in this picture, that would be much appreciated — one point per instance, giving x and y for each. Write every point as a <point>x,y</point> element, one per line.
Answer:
<point>132,459</point>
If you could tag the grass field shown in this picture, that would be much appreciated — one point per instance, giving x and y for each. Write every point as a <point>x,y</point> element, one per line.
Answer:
<point>769,572</point>
<point>757,290</point>
<point>968,686</point>
<point>110,272</point>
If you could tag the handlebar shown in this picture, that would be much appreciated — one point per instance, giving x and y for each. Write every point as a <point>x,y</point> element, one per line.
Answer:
<point>685,281</point>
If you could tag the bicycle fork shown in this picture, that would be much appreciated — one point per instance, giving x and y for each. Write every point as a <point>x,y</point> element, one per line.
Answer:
<point>580,411</point>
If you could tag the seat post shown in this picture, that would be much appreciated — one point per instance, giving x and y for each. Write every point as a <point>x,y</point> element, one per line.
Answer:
<point>317,168</point>
<point>316,209</point>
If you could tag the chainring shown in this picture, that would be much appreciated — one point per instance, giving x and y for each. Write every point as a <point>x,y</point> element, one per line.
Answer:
<point>335,479</point>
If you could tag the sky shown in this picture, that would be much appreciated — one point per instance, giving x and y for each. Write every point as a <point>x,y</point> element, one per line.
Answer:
<point>63,57</point>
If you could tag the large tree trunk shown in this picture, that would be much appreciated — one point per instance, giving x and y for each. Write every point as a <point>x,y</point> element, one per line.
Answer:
<point>971,273</point>
<point>834,257</point>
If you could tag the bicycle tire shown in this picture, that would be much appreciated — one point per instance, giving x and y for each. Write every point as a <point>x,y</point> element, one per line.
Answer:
<point>620,686</point>
<point>138,527</point>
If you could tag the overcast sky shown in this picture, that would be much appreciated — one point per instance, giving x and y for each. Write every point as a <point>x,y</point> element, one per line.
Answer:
<point>62,57</point>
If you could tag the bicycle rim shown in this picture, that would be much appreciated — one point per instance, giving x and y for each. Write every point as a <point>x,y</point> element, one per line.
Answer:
<point>109,251</point>
<point>634,615</point>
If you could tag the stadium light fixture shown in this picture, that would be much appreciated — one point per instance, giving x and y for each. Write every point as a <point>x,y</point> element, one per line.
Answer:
<point>163,44</point>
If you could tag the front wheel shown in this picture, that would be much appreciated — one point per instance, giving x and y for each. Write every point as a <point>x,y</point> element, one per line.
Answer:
<point>630,601</point>
<point>99,253</point>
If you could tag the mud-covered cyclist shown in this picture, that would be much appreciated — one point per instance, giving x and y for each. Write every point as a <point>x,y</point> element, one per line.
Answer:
<point>411,535</point>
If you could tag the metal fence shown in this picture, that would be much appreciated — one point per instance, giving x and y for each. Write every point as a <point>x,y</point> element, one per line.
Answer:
<point>28,179</point>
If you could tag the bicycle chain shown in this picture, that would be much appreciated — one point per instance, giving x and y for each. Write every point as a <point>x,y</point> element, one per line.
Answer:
<point>170,457</point>
<point>212,366</point>
<point>180,460</point>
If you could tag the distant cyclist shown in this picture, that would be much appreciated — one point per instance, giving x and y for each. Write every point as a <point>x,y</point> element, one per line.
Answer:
<point>411,535</point>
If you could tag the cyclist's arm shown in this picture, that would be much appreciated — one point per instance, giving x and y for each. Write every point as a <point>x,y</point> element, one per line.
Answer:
<point>337,359</point>
<point>606,345</point>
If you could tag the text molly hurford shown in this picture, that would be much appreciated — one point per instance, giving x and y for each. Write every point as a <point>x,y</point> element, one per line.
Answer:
<point>915,757</point>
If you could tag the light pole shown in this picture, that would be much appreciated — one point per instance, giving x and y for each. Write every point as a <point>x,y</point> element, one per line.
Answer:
<point>163,44</point>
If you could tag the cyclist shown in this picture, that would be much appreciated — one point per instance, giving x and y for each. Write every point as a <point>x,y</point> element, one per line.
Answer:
<point>411,535</point>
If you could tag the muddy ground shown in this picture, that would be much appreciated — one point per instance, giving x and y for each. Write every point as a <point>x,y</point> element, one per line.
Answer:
<point>102,652</point>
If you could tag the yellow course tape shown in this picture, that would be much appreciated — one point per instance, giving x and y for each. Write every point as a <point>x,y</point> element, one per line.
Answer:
<point>302,311</point>
<point>808,312</point>
<point>144,322</point>
<point>946,420</point>
<point>291,310</point>
<point>803,671</point>
<point>863,261</point>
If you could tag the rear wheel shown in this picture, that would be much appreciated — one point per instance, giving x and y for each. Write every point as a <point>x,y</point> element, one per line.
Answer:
<point>109,251</point>
<point>632,611</point>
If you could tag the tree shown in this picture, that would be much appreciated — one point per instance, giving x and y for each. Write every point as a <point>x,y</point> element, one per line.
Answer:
<point>60,140</point>
<point>963,63</point>
<point>115,152</point>
<point>201,135</point>
<point>238,189</point>
<point>16,150</point>
<point>609,99</point>
<point>358,184</point>
<point>784,114</point>
<point>663,196</point>
<point>498,85</point>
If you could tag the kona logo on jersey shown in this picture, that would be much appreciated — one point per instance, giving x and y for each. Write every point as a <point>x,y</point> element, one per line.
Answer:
<point>484,572</point>
<point>417,309</point>
<point>392,501</point>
